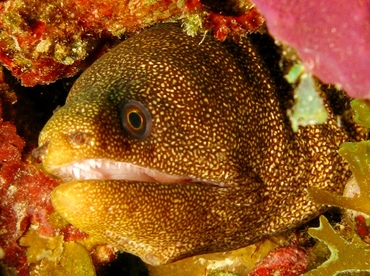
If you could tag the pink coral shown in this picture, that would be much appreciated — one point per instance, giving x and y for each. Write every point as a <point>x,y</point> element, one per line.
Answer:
<point>332,38</point>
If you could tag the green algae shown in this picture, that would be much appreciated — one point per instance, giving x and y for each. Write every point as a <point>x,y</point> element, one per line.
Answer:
<point>346,256</point>
<point>295,72</point>
<point>362,115</point>
<point>309,107</point>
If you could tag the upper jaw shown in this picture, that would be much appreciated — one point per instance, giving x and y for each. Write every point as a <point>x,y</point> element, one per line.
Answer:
<point>104,169</point>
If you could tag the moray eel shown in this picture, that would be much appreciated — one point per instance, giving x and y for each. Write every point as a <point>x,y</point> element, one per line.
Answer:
<point>174,146</point>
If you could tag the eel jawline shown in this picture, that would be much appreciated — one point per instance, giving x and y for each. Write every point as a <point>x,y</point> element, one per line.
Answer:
<point>108,169</point>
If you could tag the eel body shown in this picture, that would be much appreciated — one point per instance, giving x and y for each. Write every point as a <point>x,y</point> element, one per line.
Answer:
<point>174,146</point>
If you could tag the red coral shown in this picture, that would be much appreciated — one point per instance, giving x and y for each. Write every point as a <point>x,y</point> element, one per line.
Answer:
<point>24,196</point>
<point>26,199</point>
<point>362,228</point>
<point>193,5</point>
<point>235,26</point>
<point>71,233</point>
<point>286,261</point>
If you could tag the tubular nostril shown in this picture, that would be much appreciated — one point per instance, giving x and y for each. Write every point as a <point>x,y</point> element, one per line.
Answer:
<point>40,152</point>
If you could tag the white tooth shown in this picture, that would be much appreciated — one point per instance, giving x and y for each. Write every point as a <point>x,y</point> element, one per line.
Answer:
<point>86,167</point>
<point>83,175</point>
<point>99,164</point>
<point>76,172</point>
<point>91,175</point>
<point>92,163</point>
<point>99,175</point>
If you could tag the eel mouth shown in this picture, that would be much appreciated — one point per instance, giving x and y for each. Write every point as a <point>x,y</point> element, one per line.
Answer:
<point>104,169</point>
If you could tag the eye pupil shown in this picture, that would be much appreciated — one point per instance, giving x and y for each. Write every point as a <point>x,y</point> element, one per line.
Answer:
<point>135,119</point>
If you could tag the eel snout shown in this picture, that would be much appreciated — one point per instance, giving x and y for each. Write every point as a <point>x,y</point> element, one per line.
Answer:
<point>39,152</point>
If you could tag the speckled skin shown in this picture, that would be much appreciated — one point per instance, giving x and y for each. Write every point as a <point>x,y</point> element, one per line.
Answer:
<point>217,116</point>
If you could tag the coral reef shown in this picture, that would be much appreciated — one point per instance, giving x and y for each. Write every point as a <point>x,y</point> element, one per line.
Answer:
<point>41,42</point>
<point>24,193</point>
<point>235,26</point>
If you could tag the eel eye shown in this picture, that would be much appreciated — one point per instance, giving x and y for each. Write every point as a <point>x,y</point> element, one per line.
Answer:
<point>136,119</point>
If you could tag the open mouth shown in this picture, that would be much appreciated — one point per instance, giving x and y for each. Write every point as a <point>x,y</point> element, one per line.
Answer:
<point>109,169</point>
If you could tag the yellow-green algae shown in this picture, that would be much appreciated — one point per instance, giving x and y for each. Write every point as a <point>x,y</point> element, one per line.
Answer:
<point>362,115</point>
<point>41,248</point>
<point>193,23</point>
<point>358,156</point>
<point>238,262</point>
<point>53,256</point>
<point>295,72</point>
<point>220,273</point>
<point>346,256</point>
